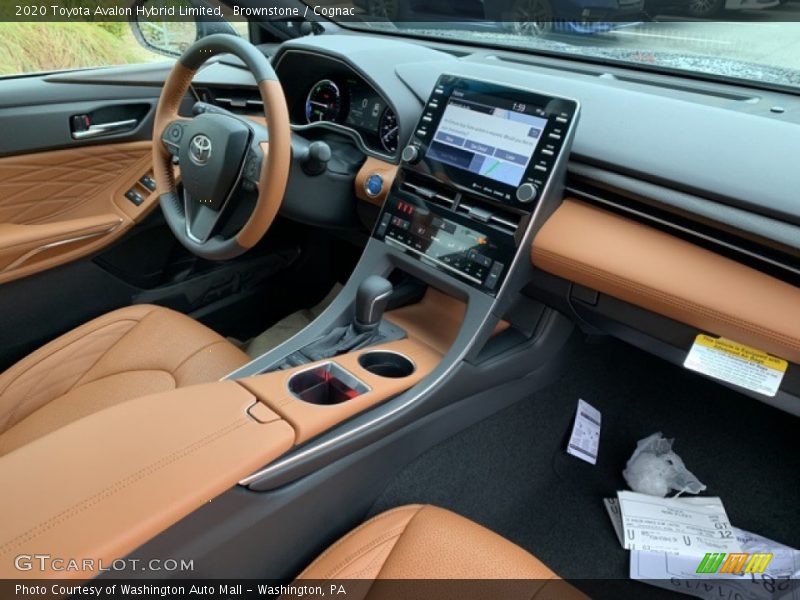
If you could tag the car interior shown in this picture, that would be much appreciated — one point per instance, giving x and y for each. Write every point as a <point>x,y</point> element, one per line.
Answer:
<point>284,288</point>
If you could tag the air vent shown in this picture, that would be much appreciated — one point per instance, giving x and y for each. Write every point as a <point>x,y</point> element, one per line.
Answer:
<point>485,213</point>
<point>475,208</point>
<point>429,189</point>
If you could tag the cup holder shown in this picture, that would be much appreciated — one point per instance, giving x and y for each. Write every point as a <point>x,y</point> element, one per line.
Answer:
<point>327,384</point>
<point>386,364</point>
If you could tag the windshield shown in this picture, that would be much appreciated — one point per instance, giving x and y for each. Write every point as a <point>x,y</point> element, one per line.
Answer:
<point>753,40</point>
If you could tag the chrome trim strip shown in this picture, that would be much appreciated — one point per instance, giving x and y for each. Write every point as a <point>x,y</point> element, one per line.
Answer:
<point>676,227</point>
<point>376,300</point>
<point>102,129</point>
<point>31,253</point>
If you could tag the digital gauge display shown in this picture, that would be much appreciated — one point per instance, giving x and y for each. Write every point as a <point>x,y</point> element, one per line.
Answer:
<point>324,102</point>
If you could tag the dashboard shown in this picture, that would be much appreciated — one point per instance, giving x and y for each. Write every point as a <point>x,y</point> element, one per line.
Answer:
<point>327,93</point>
<point>463,203</point>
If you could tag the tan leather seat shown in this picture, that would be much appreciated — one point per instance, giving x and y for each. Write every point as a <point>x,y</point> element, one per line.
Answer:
<point>122,355</point>
<point>422,542</point>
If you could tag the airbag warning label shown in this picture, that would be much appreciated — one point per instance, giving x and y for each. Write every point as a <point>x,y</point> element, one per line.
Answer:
<point>735,363</point>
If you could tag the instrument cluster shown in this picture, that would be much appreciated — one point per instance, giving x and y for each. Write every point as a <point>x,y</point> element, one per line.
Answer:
<point>352,103</point>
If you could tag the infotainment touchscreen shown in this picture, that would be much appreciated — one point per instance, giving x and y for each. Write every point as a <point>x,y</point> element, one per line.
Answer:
<point>493,140</point>
<point>487,136</point>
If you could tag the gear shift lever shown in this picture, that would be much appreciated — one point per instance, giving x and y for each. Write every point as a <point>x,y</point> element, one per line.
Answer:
<point>371,300</point>
<point>372,297</point>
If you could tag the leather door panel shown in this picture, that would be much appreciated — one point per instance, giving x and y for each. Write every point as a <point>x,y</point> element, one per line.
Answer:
<point>64,186</point>
<point>60,205</point>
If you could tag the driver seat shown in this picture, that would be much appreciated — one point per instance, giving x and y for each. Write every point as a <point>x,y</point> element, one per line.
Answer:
<point>125,354</point>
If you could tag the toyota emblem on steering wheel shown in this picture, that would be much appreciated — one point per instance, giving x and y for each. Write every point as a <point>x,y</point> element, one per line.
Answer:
<point>200,149</point>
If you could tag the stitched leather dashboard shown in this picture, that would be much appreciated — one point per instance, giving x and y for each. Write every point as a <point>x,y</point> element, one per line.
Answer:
<point>669,276</point>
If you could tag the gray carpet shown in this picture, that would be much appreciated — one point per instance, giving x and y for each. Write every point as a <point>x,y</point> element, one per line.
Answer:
<point>510,472</point>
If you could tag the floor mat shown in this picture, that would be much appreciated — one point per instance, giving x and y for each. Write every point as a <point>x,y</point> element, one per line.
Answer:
<point>288,326</point>
<point>510,472</point>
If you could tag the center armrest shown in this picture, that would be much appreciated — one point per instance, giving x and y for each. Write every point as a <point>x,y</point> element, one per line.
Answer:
<point>101,486</point>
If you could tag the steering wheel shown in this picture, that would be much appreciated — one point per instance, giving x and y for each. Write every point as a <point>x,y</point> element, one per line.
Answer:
<point>219,153</point>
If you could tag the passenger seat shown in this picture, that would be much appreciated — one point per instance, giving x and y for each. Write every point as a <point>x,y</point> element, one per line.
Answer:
<point>422,542</point>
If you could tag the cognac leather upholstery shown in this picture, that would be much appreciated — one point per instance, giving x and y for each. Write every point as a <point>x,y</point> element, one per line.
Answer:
<point>422,542</point>
<point>124,354</point>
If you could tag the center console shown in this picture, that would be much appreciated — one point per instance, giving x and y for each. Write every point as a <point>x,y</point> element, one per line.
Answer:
<point>472,175</point>
<point>482,171</point>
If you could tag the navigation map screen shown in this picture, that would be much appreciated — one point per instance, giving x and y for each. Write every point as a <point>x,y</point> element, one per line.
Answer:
<point>487,136</point>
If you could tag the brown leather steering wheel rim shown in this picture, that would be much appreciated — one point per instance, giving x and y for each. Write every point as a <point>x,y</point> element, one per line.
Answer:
<point>277,151</point>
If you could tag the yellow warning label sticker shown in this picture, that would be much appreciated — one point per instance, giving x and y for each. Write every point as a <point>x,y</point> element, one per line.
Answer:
<point>736,363</point>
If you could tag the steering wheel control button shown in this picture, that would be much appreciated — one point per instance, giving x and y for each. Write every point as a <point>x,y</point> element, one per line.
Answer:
<point>373,186</point>
<point>411,154</point>
<point>252,172</point>
<point>527,192</point>
<point>175,133</point>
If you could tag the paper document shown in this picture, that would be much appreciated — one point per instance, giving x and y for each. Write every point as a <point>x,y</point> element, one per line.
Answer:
<point>675,526</point>
<point>612,507</point>
<point>779,581</point>
<point>585,439</point>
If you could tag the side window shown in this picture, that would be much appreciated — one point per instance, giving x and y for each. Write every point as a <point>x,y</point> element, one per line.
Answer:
<point>32,47</point>
<point>42,44</point>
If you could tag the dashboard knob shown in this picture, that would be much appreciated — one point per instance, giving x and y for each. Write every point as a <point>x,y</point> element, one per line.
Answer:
<point>527,192</point>
<point>410,154</point>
